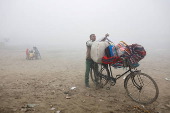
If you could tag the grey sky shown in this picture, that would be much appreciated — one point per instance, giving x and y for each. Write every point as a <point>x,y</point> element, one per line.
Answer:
<point>56,22</point>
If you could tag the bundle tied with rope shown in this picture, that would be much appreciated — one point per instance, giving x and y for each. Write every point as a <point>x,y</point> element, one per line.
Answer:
<point>126,55</point>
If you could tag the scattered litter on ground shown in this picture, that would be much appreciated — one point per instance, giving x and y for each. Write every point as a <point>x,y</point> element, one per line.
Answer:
<point>73,88</point>
<point>143,110</point>
<point>67,97</point>
<point>87,94</point>
<point>28,107</point>
<point>31,105</point>
<point>52,108</point>
<point>143,106</point>
<point>83,101</point>
<point>167,79</point>
<point>101,100</point>
<point>58,112</point>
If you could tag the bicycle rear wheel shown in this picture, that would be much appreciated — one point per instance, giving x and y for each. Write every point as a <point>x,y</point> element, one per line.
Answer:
<point>100,76</point>
<point>93,72</point>
<point>141,88</point>
<point>103,74</point>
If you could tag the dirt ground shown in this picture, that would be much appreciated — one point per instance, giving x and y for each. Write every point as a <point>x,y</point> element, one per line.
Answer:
<point>41,86</point>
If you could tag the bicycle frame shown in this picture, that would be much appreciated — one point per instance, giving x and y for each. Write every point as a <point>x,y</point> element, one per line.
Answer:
<point>110,71</point>
<point>110,76</point>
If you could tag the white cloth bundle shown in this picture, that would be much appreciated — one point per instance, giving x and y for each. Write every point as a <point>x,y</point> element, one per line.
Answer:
<point>98,51</point>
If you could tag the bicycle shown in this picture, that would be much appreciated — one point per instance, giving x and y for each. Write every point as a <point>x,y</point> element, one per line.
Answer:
<point>135,82</point>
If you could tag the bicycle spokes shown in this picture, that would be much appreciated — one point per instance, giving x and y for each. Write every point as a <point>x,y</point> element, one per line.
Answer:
<point>136,84</point>
<point>141,88</point>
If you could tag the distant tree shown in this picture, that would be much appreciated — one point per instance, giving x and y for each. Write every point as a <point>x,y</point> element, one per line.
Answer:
<point>6,39</point>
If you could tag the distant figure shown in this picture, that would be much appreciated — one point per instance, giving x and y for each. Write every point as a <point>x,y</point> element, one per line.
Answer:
<point>27,54</point>
<point>31,55</point>
<point>36,53</point>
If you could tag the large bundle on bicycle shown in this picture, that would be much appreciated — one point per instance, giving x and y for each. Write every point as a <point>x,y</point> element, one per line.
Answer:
<point>98,50</point>
<point>127,55</point>
<point>121,54</point>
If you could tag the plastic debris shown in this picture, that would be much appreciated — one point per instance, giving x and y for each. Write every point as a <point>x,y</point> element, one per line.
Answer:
<point>101,100</point>
<point>52,108</point>
<point>58,112</point>
<point>67,97</point>
<point>31,105</point>
<point>167,79</point>
<point>143,106</point>
<point>73,88</point>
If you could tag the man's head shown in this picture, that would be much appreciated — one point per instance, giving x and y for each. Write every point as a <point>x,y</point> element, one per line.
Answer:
<point>92,37</point>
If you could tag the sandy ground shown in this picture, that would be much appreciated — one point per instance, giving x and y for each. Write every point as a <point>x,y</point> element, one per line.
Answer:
<point>44,84</point>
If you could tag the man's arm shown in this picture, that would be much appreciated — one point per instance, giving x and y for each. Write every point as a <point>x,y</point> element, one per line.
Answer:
<point>104,38</point>
<point>89,43</point>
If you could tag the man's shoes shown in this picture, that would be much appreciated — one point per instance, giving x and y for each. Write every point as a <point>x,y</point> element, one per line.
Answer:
<point>87,85</point>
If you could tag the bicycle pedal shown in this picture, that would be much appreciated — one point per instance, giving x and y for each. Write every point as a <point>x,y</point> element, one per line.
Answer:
<point>112,82</point>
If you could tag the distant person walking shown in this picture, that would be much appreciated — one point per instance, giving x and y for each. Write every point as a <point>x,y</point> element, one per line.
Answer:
<point>27,54</point>
<point>36,53</point>
<point>89,61</point>
<point>31,55</point>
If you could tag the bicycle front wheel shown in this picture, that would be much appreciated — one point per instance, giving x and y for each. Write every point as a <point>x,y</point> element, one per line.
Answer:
<point>141,88</point>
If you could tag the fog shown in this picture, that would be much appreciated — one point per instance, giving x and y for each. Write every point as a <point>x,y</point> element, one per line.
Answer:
<point>68,23</point>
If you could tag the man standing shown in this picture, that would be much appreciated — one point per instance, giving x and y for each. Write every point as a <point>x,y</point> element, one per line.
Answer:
<point>37,53</point>
<point>27,54</point>
<point>89,61</point>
